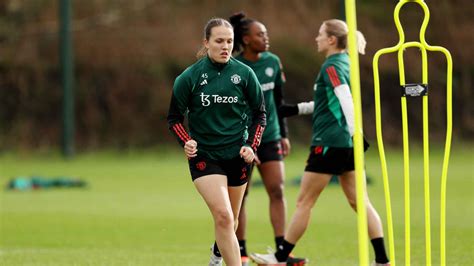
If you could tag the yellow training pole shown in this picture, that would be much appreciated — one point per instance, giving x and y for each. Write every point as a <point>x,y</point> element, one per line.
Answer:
<point>425,152</point>
<point>449,129</point>
<point>414,90</point>
<point>447,150</point>
<point>406,162</point>
<point>358,138</point>
<point>378,125</point>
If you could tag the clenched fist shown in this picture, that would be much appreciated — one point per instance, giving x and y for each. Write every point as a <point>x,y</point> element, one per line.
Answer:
<point>247,154</point>
<point>190,148</point>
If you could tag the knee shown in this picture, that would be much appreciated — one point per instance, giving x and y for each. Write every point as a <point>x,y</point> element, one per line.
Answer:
<point>353,204</point>
<point>224,219</point>
<point>305,204</point>
<point>276,192</point>
<point>236,224</point>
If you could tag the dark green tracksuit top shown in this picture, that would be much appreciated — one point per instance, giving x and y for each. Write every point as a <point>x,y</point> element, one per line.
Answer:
<point>330,126</point>
<point>216,99</point>
<point>268,70</point>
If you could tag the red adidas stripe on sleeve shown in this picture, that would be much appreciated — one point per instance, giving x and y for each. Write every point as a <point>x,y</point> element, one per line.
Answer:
<point>257,138</point>
<point>333,77</point>
<point>181,127</point>
<point>181,132</point>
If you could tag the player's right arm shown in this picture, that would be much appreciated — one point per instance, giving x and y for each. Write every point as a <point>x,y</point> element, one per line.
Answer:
<point>303,108</point>
<point>178,107</point>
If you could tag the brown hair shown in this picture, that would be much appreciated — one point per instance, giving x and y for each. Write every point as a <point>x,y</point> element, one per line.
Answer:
<point>338,29</point>
<point>213,22</point>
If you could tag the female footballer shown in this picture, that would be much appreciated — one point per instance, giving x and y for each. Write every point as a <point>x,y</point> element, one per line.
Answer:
<point>331,150</point>
<point>215,94</point>
<point>251,47</point>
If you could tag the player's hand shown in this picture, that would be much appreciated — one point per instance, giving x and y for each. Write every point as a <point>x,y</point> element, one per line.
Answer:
<point>285,146</point>
<point>190,148</point>
<point>256,160</point>
<point>247,154</point>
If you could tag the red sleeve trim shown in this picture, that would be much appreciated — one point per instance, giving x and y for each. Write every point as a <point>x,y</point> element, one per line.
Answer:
<point>257,138</point>
<point>181,132</point>
<point>333,76</point>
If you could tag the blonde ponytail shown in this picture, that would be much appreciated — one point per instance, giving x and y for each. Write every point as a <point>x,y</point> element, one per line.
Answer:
<point>361,43</point>
<point>338,29</point>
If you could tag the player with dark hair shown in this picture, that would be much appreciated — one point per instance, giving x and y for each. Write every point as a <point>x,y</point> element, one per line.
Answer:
<point>251,47</point>
<point>215,94</point>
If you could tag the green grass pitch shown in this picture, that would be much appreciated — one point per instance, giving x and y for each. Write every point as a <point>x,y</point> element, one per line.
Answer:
<point>142,209</point>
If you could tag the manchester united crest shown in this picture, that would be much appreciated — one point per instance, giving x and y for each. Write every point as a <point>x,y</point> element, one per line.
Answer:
<point>201,166</point>
<point>235,79</point>
<point>318,149</point>
<point>269,71</point>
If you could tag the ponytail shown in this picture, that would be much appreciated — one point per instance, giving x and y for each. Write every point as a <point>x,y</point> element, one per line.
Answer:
<point>338,29</point>
<point>202,52</point>
<point>241,28</point>
<point>361,42</point>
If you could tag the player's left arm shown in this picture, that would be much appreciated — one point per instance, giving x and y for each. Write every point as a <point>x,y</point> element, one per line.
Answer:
<point>278,95</point>
<point>343,93</point>
<point>254,96</point>
<point>279,102</point>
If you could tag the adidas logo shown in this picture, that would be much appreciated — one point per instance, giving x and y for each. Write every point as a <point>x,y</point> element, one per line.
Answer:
<point>204,82</point>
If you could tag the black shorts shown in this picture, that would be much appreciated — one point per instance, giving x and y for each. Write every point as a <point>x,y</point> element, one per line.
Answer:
<point>329,160</point>
<point>236,169</point>
<point>270,151</point>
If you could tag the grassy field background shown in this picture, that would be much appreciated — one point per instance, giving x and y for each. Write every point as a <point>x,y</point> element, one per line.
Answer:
<point>140,208</point>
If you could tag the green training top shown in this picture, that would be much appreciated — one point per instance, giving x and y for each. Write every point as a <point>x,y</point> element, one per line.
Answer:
<point>329,124</point>
<point>216,98</point>
<point>269,73</point>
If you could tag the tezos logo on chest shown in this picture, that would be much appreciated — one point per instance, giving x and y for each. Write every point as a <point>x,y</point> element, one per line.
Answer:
<point>206,99</point>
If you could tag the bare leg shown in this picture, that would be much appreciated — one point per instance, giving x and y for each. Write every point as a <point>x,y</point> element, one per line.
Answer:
<point>236,195</point>
<point>312,184</point>
<point>241,231</point>
<point>214,191</point>
<point>273,178</point>
<point>272,173</point>
<point>348,184</point>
